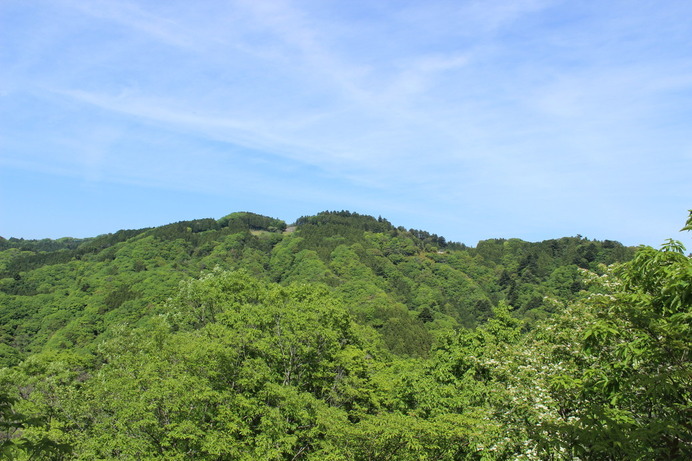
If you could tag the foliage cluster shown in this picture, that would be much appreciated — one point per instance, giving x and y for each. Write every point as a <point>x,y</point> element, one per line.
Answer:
<point>348,338</point>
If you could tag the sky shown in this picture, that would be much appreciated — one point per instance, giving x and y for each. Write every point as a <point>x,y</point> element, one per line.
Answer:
<point>531,119</point>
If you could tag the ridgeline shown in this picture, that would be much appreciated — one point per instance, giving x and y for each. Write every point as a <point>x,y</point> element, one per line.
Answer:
<point>339,337</point>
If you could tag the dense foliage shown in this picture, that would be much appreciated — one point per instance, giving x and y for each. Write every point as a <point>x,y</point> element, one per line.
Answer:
<point>342,337</point>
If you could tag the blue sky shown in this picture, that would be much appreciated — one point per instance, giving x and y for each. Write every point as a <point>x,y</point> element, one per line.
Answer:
<point>470,119</point>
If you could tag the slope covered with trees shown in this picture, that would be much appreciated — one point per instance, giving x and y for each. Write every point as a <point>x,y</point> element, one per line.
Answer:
<point>405,284</point>
<point>342,337</point>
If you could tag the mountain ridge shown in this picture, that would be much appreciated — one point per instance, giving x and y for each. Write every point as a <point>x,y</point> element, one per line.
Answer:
<point>347,338</point>
<point>390,276</point>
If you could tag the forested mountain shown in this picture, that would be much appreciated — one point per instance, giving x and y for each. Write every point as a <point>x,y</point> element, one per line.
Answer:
<point>341,336</point>
<point>405,284</point>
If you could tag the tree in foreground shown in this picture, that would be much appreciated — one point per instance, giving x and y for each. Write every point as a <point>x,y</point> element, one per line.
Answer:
<point>621,363</point>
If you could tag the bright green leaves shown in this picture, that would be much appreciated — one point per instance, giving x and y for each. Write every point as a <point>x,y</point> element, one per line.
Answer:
<point>236,368</point>
<point>660,280</point>
<point>628,393</point>
<point>688,224</point>
<point>600,333</point>
<point>31,423</point>
<point>200,301</point>
<point>404,437</point>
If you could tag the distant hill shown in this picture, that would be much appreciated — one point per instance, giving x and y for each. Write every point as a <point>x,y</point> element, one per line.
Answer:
<point>406,284</point>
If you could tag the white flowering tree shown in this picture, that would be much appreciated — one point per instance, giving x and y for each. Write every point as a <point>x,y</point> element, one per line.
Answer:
<point>620,363</point>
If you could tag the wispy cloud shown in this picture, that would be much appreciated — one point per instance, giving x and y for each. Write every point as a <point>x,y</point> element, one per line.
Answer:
<point>159,26</point>
<point>442,104</point>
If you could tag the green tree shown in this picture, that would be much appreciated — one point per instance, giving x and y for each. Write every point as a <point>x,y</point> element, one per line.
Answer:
<point>624,383</point>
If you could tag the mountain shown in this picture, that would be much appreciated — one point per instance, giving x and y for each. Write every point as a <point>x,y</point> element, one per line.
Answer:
<point>406,284</point>
<point>341,337</point>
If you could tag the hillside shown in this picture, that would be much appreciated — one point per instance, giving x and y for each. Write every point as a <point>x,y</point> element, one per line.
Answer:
<point>343,338</point>
<point>406,284</point>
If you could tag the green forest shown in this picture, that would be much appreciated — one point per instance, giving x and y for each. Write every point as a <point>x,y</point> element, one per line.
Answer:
<point>342,337</point>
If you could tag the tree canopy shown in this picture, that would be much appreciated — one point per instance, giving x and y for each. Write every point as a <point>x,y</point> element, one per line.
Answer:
<point>342,337</point>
